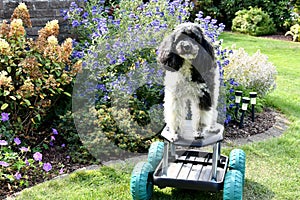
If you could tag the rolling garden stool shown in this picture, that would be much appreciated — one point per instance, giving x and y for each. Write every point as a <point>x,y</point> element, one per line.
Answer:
<point>182,164</point>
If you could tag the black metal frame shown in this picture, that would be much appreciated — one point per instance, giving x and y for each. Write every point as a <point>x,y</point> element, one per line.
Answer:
<point>191,168</point>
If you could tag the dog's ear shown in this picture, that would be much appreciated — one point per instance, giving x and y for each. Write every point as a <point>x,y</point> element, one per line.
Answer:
<point>208,47</point>
<point>174,62</point>
<point>167,55</point>
<point>204,43</point>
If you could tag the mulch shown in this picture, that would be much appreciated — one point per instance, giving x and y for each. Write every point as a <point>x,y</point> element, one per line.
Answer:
<point>262,122</point>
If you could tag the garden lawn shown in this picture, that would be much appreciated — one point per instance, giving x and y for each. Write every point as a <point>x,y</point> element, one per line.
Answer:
<point>272,168</point>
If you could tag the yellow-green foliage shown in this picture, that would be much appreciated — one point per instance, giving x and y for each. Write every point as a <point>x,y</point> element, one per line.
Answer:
<point>295,32</point>
<point>253,21</point>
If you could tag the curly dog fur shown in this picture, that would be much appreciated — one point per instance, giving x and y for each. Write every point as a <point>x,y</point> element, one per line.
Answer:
<point>192,78</point>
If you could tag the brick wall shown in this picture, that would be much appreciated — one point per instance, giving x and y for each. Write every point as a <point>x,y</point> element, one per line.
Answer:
<point>41,11</point>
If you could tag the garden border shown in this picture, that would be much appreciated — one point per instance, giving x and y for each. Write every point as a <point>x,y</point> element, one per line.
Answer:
<point>280,126</point>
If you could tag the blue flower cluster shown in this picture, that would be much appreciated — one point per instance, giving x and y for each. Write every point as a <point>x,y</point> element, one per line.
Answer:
<point>121,47</point>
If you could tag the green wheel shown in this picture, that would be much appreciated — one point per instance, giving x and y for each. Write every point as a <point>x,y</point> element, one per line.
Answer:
<point>155,153</point>
<point>237,161</point>
<point>141,184</point>
<point>233,185</point>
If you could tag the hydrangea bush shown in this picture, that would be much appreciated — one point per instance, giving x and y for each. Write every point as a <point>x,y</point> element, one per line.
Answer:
<point>34,74</point>
<point>253,73</point>
<point>35,79</point>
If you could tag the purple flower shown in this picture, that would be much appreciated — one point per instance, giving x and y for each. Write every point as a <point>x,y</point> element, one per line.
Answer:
<point>26,162</point>
<point>52,138</point>
<point>85,15</point>
<point>17,141</point>
<point>47,167</point>
<point>4,117</point>
<point>3,142</point>
<point>226,62</point>
<point>18,176</point>
<point>37,156</point>
<point>61,171</point>
<point>24,149</point>
<point>54,131</point>
<point>73,4</point>
<point>75,23</point>
<point>94,10</point>
<point>4,164</point>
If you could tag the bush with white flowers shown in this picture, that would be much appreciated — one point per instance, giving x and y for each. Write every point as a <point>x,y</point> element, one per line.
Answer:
<point>254,72</point>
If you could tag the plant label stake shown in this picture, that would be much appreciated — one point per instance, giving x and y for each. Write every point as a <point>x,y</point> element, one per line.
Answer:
<point>238,97</point>
<point>245,102</point>
<point>253,96</point>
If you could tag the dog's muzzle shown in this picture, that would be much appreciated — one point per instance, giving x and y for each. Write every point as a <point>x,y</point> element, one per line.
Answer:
<point>187,50</point>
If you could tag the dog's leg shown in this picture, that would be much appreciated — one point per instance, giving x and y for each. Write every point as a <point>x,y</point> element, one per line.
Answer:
<point>196,118</point>
<point>208,121</point>
<point>170,113</point>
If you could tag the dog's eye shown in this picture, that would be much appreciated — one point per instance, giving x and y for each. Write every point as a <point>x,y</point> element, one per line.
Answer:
<point>193,36</point>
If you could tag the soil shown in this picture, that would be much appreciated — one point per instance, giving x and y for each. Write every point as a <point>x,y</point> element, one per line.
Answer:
<point>266,124</point>
<point>262,122</point>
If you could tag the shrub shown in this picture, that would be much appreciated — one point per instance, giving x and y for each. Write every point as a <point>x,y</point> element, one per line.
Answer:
<point>224,11</point>
<point>35,75</point>
<point>253,21</point>
<point>292,20</point>
<point>295,32</point>
<point>128,83</point>
<point>278,10</point>
<point>124,42</point>
<point>253,73</point>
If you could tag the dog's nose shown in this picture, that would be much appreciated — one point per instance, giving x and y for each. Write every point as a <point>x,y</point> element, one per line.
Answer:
<point>186,47</point>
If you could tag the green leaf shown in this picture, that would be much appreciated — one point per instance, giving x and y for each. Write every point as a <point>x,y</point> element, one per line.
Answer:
<point>27,102</point>
<point>4,106</point>
<point>6,92</point>
<point>8,69</point>
<point>45,146</point>
<point>38,117</point>
<point>18,96</point>
<point>13,98</point>
<point>51,90</point>
<point>58,73</point>
<point>67,93</point>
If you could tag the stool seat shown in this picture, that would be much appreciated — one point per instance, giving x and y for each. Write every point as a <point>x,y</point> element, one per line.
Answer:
<point>186,137</point>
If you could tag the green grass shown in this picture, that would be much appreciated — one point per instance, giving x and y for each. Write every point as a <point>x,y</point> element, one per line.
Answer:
<point>272,168</point>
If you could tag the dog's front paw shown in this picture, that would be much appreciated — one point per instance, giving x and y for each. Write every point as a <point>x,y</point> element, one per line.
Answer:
<point>213,130</point>
<point>198,135</point>
<point>175,137</point>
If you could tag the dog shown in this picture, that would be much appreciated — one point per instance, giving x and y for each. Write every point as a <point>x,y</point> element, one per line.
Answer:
<point>191,78</point>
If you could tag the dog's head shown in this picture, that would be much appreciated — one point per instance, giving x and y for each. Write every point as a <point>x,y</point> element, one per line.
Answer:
<point>186,42</point>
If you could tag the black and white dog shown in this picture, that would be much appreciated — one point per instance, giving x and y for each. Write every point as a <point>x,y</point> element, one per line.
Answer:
<point>191,75</point>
